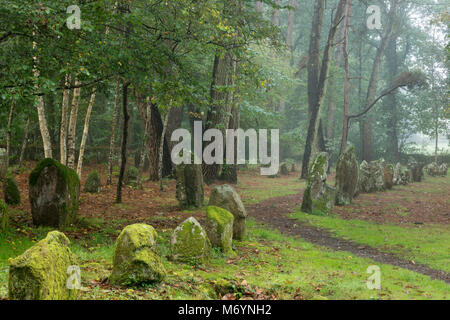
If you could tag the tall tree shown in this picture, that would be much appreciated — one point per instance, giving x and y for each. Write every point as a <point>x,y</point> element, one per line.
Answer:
<point>318,75</point>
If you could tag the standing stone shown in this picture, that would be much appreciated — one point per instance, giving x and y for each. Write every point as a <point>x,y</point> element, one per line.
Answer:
<point>42,272</point>
<point>347,176</point>
<point>432,169</point>
<point>11,191</point>
<point>227,198</point>
<point>366,181</point>
<point>190,243</point>
<point>219,227</point>
<point>54,194</point>
<point>136,259</point>
<point>389,176</point>
<point>443,168</point>
<point>416,170</point>
<point>284,168</point>
<point>92,184</point>
<point>397,174</point>
<point>189,187</point>
<point>377,171</point>
<point>4,217</point>
<point>3,163</point>
<point>132,177</point>
<point>318,196</point>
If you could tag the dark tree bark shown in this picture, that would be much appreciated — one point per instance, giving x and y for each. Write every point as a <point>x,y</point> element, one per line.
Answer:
<point>317,75</point>
<point>392,62</point>
<point>366,123</point>
<point>219,111</point>
<point>126,118</point>
<point>24,143</point>
<point>154,142</point>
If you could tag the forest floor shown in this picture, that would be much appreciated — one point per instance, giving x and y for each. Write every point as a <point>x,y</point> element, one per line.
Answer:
<point>287,254</point>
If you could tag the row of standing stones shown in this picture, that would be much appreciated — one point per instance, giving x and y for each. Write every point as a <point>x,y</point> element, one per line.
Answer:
<point>352,179</point>
<point>42,271</point>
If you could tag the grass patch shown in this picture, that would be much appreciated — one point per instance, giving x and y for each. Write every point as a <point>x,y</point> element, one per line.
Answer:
<point>428,244</point>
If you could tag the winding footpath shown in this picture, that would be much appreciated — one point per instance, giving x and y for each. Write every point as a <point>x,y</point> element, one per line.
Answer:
<point>273,212</point>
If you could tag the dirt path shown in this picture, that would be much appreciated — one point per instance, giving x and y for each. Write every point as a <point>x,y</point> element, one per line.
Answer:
<point>274,213</point>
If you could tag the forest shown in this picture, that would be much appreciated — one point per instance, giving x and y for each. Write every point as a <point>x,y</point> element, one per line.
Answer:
<point>224,150</point>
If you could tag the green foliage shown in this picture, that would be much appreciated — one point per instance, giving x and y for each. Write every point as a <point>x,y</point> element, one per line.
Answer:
<point>11,191</point>
<point>4,217</point>
<point>92,184</point>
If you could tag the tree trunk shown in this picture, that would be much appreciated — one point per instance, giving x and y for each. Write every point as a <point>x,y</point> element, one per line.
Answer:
<point>175,120</point>
<point>144,150</point>
<point>8,134</point>
<point>85,132</point>
<point>63,129</point>
<point>218,114</point>
<point>347,79</point>
<point>317,78</point>
<point>24,143</point>
<point>290,26</point>
<point>276,14</point>
<point>161,150</point>
<point>46,141</point>
<point>366,126</point>
<point>71,138</point>
<point>153,142</point>
<point>126,117</point>
<point>112,140</point>
<point>393,67</point>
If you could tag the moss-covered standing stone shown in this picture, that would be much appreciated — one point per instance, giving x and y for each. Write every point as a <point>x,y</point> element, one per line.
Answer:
<point>92,184</point>
<point>226,197</point>
<point>389,176</point>
<point>318,196</point>
<point>347,176</point>
<point>136,259</point>
<point>11,191</point>
<point>190,243</point>
<point>132,177</point>
<point>219,227</point>
<point>397,178</point>
<point>41,273</point>
<point>54,194</point>
<point>4,217</point>
<point>285,168</point>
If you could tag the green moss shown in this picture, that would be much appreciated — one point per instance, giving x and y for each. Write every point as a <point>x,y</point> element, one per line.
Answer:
<point>136,260</point>
<point>92,184</point>
<point>11,191</point>
<point>190,243</point>
<point>69,175</point>
<point>41,272</point>
<point>220,227</point>
<point>67,210</point>
<point>4,217</point>
<point>132,177</point>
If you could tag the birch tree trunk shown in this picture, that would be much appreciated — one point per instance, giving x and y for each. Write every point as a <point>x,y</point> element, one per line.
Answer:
<point>64,116</point>
<point>112,140</point>
<point>85,132</point>
<point>24,143</point>
<point>144,151</point>
<point>161,150</point>
<point>73,126</point>
<point>8,134</point>
<point>43,127</point>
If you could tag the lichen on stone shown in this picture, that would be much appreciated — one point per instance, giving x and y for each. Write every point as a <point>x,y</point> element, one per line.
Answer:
<point>136,260</point>
<point>190,243</point>
<point>92,184</point>
<point>41,273</point>
<point>219,228</point>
